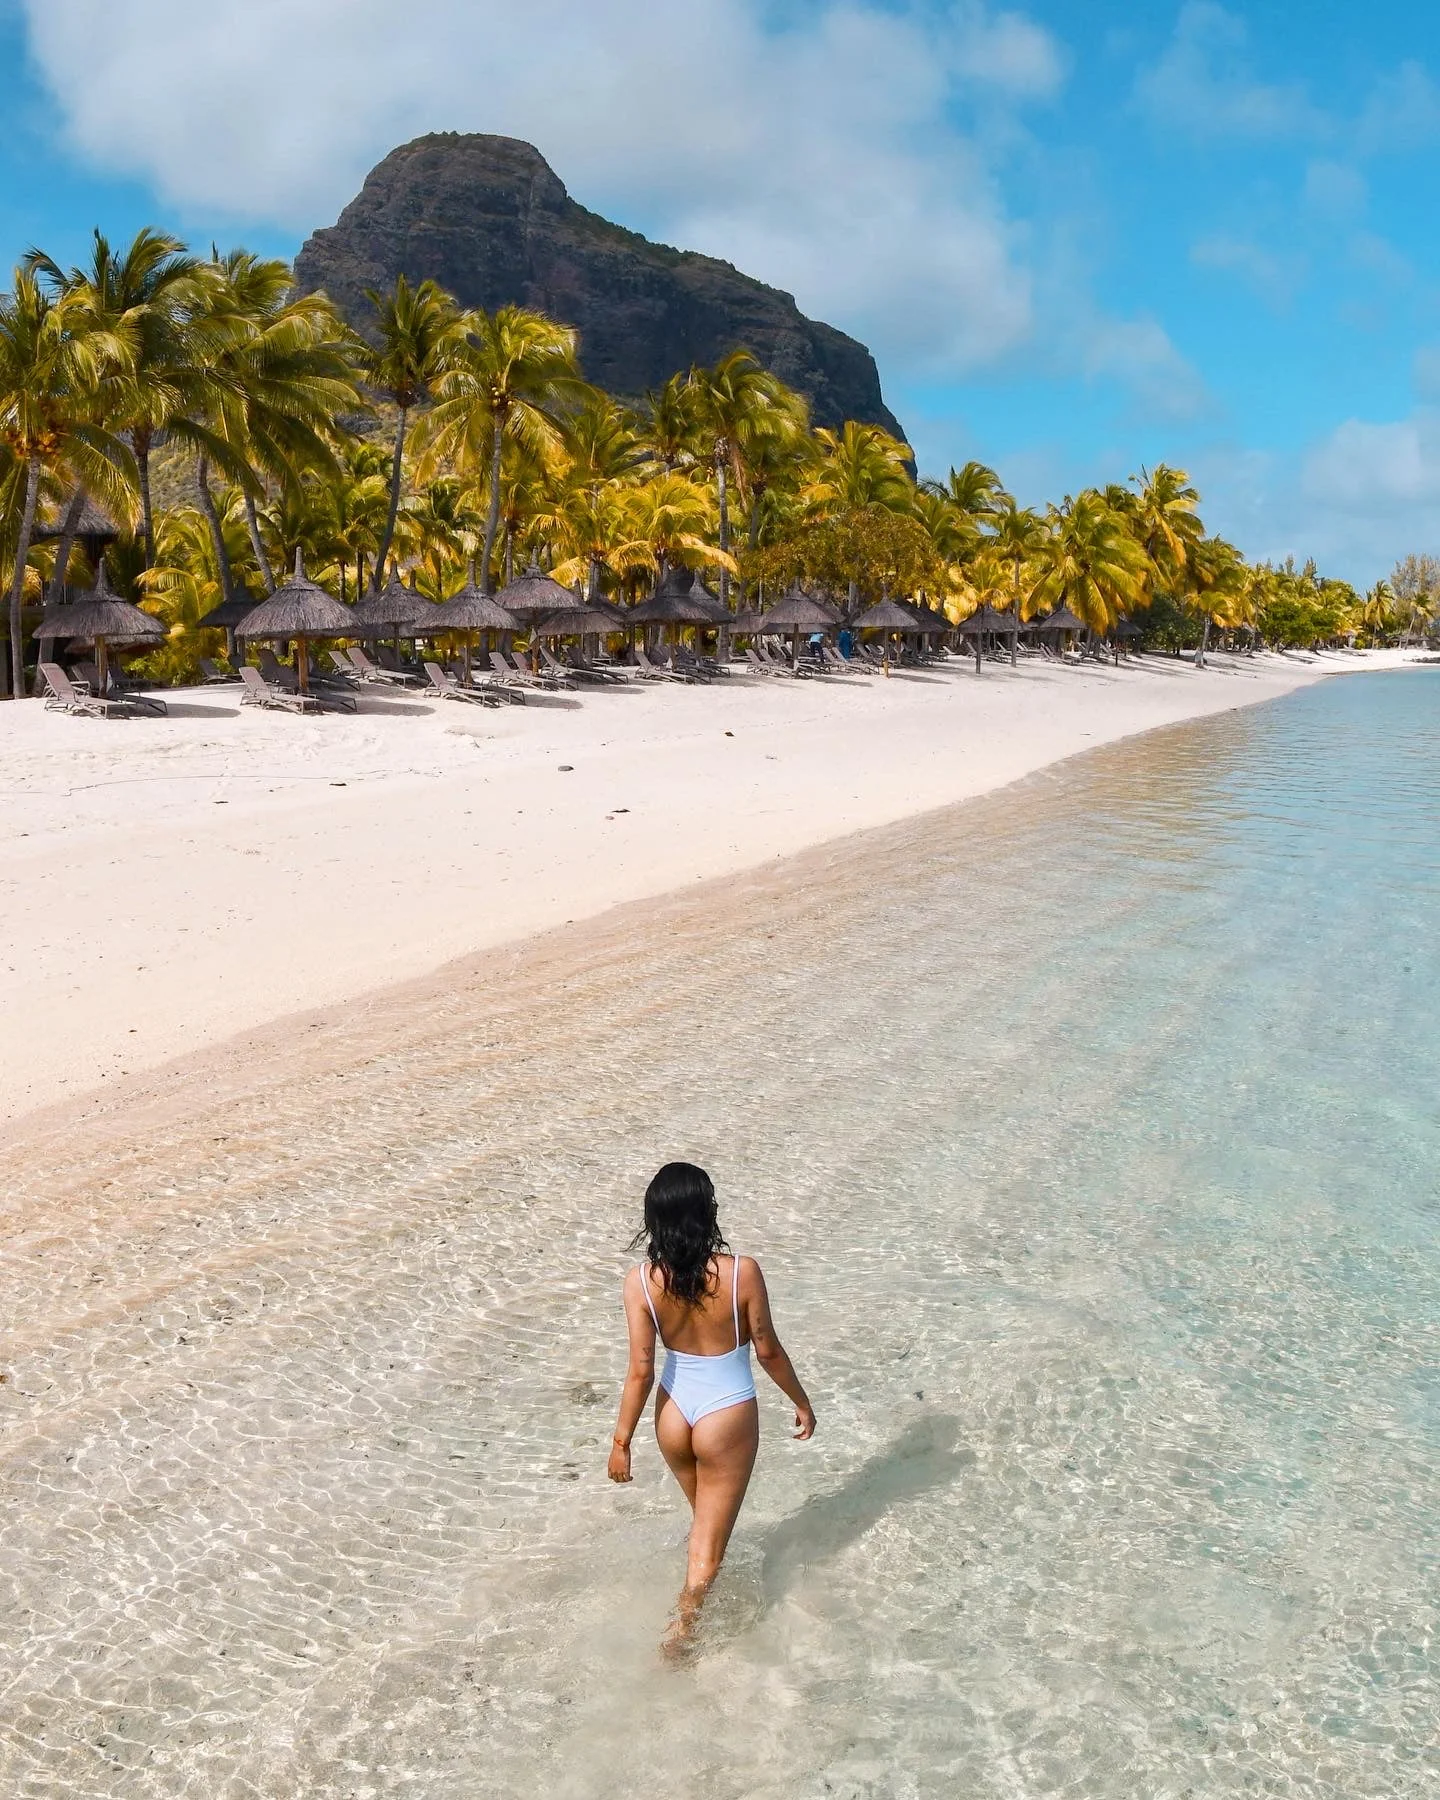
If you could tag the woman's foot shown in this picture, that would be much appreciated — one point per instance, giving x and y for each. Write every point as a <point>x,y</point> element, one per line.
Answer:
<point>679,1640</point>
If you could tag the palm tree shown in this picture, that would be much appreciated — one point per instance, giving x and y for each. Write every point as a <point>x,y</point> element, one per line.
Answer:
<point>149,292</point>
<point>669,516</point>
<point>62,370</point>
<point>974,492</point>
<point>859,465</point>
<point>1019,538</point>
<point>354,505</point>
<point>420,332</point>
<point>184,582</point>
<point>1377,613</point>
<point>735,407</point>
<point>1090,562</point>
<point>1165,520</point>
<point>666,424</point>
<point>1217,584</point>
<point>512,379</point>
<point>280,372</point>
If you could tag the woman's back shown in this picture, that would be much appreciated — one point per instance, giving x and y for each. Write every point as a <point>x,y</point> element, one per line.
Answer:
<point>708,1328</point>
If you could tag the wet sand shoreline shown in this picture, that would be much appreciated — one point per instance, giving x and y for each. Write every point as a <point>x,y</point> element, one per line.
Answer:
<point>172,885</point>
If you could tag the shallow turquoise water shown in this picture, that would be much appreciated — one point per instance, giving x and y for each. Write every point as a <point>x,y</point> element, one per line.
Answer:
<point>1089,1136</point>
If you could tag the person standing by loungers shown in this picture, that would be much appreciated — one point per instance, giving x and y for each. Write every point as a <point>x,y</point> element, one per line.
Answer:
<point>707,1307</point>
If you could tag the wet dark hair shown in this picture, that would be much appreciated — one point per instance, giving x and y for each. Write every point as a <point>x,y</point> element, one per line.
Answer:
<point>682,1230</point>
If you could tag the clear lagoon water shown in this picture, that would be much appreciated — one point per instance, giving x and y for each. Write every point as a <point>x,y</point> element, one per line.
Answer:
<point>1089,1135</point>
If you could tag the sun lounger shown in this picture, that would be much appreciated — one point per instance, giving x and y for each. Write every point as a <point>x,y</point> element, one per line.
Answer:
<point>544,668</point>
<point>530,668</point>
<point>657,671</point>
<point>446,686</point>
<point>367,671</point>
<point>607,671</point>
<point>64,695</point>
<point>512,673</point>
<point>780,666</point>
<point>689,666</point>
<point>568,674</point>
<point>120,691</point>
<point>391,664</point>
<point>257,691</point>
<point>835,664</point>
<point>211,674</point>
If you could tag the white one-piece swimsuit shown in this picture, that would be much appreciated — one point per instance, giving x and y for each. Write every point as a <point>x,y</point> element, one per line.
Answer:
<point>700,1385</point>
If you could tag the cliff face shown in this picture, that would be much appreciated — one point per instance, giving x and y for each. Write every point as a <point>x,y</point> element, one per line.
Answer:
<point>490,220</point>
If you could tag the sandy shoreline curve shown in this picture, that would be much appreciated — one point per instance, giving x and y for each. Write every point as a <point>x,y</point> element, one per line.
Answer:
<point>170,885</point>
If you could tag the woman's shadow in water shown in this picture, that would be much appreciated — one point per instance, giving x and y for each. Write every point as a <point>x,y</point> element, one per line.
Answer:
<point>926,1455</point>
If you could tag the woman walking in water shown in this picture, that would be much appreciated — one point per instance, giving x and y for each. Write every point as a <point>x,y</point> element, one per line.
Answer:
<point>707,1308</point>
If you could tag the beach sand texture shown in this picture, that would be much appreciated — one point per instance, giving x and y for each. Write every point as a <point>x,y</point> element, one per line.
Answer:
<point>313,1341</point>
<point>167,884</point>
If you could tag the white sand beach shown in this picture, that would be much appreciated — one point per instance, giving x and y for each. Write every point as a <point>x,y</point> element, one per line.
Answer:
<point>167,884</point>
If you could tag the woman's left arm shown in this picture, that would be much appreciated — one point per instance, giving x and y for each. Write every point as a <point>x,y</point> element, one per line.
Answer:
<point>639,1377</point>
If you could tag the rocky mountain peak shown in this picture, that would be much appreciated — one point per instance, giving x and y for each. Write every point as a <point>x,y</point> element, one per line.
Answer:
<point>489,219</point>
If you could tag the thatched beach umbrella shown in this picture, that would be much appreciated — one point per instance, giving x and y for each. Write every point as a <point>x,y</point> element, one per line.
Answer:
<point>387,613</point>
<point>930,619</point>
<point>467,612</point>
<point>225,617</point>
<point>93,528</point>
<point>797,611</point>
<point>720,613</point>
<point>103,618</point>
<point>536,595</point>
<point>672,603</point>
<point>982,623</point>
<point>591,620</point>
<point>300,611</point>
<point>887,616</point>
<point>1011,626</point>
<point>1062,619</point>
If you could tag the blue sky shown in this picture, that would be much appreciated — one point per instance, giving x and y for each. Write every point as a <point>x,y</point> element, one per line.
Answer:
<point>1079,238</point>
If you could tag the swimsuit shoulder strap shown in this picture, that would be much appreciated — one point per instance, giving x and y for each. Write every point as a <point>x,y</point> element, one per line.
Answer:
<point>735,1298</point>
<point>645,1290</point>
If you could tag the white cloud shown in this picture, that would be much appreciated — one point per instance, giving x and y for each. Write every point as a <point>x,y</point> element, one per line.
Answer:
<point>1383,471</point>
<point>823,156</point>
<point>1334,190</point>
<point>1426,371</point>
<point>1403,111</point>
<point>1204,84</point>
<point>1140,353</point>
<point>1007,51</point>
<point>1273,276</point>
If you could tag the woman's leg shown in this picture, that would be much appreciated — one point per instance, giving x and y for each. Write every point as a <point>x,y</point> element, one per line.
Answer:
<point>672,1433</point>
<point>723,1445</point>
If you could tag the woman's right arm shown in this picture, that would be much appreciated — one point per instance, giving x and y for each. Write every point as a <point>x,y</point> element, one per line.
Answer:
<point>639,1376</point>
<point>768,1348</point>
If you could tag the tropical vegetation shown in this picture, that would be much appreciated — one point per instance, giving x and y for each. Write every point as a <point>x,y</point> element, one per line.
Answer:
<point>225,421</point>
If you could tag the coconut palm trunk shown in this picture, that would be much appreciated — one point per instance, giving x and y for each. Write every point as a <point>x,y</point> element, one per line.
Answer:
<point>492,520</point>
<point>257,544</point>
<point>397,468</point>
<point>217,536</point>
<point>61,571</point>
<point>140,446</point>
<point>722,494</point>
<point>1204,642</point>
<point>17,585</point>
